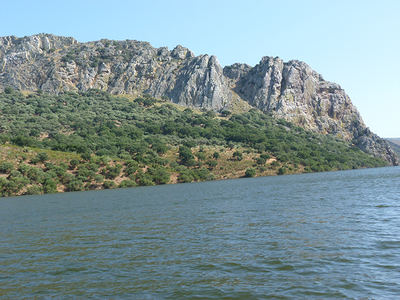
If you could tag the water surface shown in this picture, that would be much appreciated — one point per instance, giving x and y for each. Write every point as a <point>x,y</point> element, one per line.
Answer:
<point>323,235</point>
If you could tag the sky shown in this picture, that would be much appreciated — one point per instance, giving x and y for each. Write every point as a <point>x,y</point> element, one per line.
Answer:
<point>355,43</point>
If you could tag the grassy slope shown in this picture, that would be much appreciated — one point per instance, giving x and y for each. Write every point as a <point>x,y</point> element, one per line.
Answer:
<point>93,141</point>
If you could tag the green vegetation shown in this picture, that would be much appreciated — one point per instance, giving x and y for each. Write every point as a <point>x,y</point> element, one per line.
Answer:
<point>93,140</point>
<point>250,172</point>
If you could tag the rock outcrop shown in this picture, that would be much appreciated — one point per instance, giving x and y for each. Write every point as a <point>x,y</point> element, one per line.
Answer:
<point>289,90</point>
<point>54,64</point>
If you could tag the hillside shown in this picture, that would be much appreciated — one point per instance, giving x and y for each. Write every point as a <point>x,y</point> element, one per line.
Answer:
<point>394,144</point>
<point>285,90</point>
<point>394,141</point>
<point>94,140</point>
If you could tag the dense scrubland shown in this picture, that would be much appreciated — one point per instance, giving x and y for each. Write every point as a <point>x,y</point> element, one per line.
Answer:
<point>94,140</point>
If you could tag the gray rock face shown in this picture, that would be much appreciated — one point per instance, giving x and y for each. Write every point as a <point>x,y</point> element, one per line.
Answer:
<point>289,90</point>
<point>295,92</point>
<point>371,143</point>
<point>54,64</point>
<point>202,84</point>
<point>236,71</point>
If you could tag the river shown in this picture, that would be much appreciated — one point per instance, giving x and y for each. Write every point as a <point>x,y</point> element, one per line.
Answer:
<point>321,235</point>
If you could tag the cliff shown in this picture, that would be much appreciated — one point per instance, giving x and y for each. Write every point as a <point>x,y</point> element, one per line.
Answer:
<point>289,90</point>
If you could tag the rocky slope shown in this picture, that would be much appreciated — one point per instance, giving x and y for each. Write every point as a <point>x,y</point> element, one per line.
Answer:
<point>394,143</point>
<point>290,90</point>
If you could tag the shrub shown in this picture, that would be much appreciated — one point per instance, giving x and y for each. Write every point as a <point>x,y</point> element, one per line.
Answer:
<point>108,184</point>
<point>111,172</point>
<point>160,175</point>
<point>212,163</point>
<point>49,186</point>
<point>265,156</point>
<point>215,155</point>
<point>74,185</point>
<point>202,174</point>
<point>281,171</point>
<point>24,169</point>
<point>250,172</point>
<point>6,167</point>
<point>86,156</point>
<point>261,161</point>
<point>127,183</point>
<point>144,179</point>
<point>73,163</point>
<point>186,157</point>
<point>237,155</point>
<point>99,178</point>
<point>185,176</point>
<point>201,156</point>
<point>159,147</point>
<point>36,175</point>
<point>8,90</point>
<point>42,157</point>
<point>34,190</point>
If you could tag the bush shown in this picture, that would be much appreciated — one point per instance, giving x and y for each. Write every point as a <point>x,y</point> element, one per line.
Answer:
<point>202,174</point>
<point>185,176</point>
<point>265,156</point>
<point>237,155</point>
<point>186,157</point>
<point>144,179</point>
<point>250,172</point>
<point>8,90</point>
<point>86,156</point>
<point>108,184</point>
<point>73,163</point>
<point>111,172</point>
<point>99,178</point>
<point>6,167</point>
<point>261,161</point>
<point>281,171</point>
<point>74,185</point>
<point>36,175</point>
<point>49,186</point>
<point>34,190</point>
<point>212,163</point>
<point>42,157</point>
<point>160,175</point>
<point>127,183</point>
<point>200,156</point>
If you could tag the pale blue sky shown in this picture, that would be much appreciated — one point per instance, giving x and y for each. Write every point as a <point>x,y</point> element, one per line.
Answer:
<point>353,43</point>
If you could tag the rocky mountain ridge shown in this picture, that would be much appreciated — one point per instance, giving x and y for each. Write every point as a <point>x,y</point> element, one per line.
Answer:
<point>289,90</point>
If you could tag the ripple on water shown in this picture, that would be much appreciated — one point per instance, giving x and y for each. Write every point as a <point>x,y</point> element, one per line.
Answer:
<point>325,235</point>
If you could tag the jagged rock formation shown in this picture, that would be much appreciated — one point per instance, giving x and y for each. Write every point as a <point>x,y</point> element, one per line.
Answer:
<point>55,64</point>
<point>290,90</point>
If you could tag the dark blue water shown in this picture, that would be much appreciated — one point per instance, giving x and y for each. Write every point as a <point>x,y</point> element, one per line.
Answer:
<point>324,235</point>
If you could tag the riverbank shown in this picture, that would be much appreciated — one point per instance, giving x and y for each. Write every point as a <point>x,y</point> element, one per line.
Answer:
<point>29,171</point>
